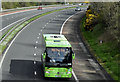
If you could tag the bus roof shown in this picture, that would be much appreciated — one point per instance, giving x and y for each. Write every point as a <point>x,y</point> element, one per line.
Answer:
<point>50,37</point>
<point>56,40</point>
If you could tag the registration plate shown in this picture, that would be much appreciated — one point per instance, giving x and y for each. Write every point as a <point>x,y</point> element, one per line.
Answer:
<point>57,75</point>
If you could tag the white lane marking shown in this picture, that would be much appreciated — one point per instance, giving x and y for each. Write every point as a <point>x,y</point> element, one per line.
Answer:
<point>12,43</point>
<point>43,27</point>
<point>35,47</point>
<point>41,30</point>
<point>36,42</point>
<point>39,33</point>
<point>34,54</point>
<point>47,23</point>
<point>34,62</point>
<point>12,24</point>
<point>64,23</point>
<point>75,76</point>
<point>37,37</point>
<point>35,72</point>
<point>60,34</point>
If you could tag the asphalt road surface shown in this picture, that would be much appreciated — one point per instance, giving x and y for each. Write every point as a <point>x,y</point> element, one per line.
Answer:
<point>12,19</point>
<point>19,60</point>
<point>8,19</point>
<point>18,64</point>
<point>85,65</point>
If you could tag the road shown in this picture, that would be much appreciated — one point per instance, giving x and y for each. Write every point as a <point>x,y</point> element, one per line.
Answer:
<point>85,65</point>
<point>18,63</point>
<point>8,19</point>
<point>19,59</point>
<point>12,19</point>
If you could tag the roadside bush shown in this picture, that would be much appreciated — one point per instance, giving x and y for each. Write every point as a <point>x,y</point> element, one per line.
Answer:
<point>91,19</point>
<point>103,18</point>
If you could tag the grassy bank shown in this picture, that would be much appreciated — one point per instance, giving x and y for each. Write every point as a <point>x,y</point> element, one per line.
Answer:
<point>106,52</point>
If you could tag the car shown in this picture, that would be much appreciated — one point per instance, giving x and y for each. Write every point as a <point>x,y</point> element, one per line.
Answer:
<point>39,8</point>
<point>78,9</point>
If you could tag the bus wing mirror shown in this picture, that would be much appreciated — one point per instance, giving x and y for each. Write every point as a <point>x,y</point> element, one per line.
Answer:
<point>73,55</point>
<point>44,55</point>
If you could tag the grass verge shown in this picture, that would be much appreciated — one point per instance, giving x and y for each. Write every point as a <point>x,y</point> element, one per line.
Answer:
<point>107,53</point>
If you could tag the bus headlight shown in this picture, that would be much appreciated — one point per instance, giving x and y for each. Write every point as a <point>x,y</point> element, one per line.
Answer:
<point>47,72</point>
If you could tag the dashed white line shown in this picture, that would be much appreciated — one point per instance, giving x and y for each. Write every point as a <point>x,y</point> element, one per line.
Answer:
<point>39,33</point>
<point>41,30</point>
<point>37,37</point>
<point>35,72</point>
<point>36,42</point>
<point>34,62</point>
<point>34,54</point>
<point>35,47</point>
<point>12,43</point>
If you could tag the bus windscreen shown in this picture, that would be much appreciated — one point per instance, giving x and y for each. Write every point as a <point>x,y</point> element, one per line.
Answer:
<point>58,55</point>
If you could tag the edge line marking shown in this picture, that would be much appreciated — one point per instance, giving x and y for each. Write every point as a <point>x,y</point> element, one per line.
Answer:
<point>60,34</point>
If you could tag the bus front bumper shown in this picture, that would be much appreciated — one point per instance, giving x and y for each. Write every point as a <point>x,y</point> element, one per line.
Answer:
<point>58,72</point>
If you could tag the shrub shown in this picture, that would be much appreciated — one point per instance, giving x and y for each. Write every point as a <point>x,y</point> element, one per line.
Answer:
<point>91,19</point>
